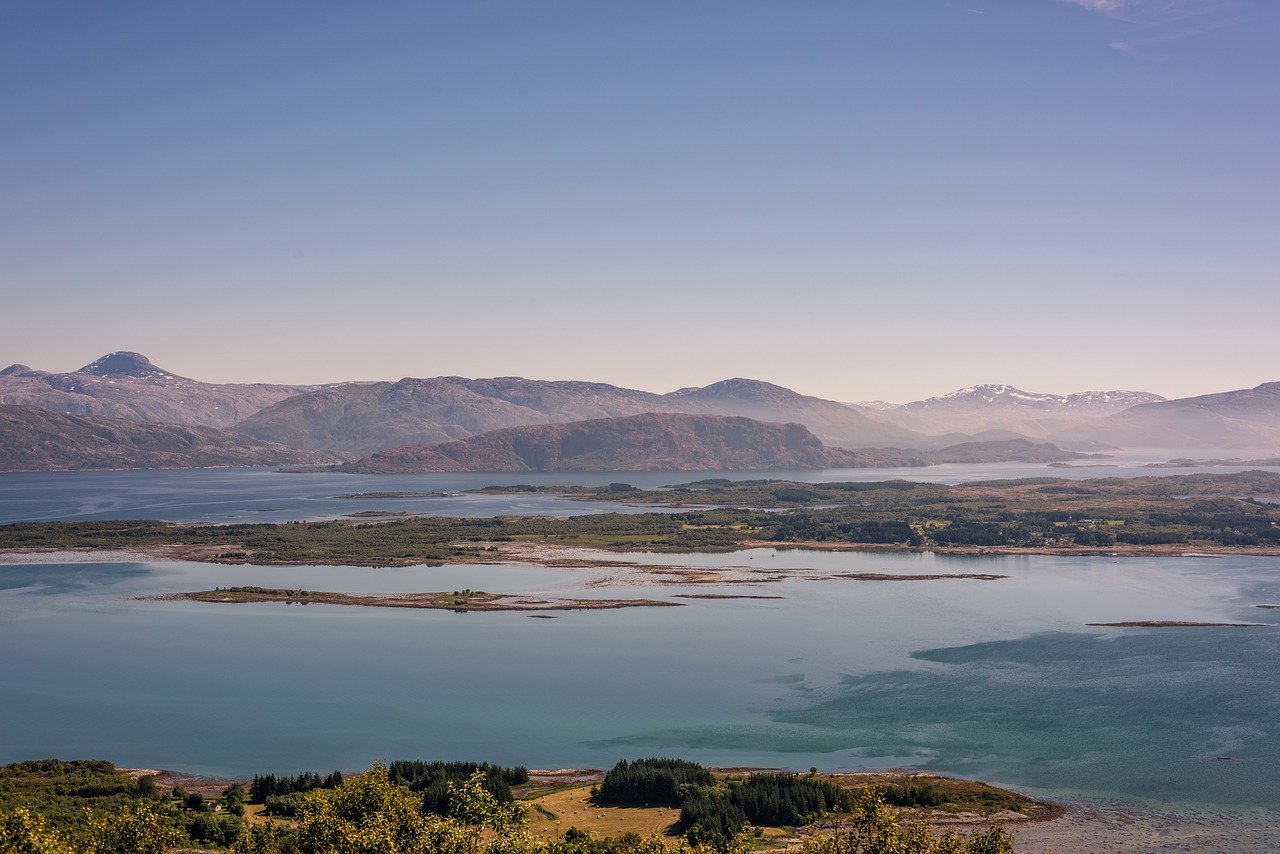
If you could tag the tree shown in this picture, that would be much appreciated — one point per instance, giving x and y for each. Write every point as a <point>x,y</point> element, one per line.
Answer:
<point>874,828</point>
<point>372,815</point>
<point>138,828</point>
<point>22,832</point>
<point>233,798</point>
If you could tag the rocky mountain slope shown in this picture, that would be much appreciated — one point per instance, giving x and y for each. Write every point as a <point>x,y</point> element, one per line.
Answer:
<point>127,385</point>
<point>34,439</point>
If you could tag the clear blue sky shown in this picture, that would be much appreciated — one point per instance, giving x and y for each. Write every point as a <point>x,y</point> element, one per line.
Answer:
<point>855,199</point>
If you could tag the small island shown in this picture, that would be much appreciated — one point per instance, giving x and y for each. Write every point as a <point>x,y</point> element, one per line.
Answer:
<point>1176,624</point>
<point>458,600</point>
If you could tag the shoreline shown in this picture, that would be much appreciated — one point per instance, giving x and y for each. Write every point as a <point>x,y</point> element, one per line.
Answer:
<point>552,554</point>
<point>1055,825</point>
<point>457,602</point>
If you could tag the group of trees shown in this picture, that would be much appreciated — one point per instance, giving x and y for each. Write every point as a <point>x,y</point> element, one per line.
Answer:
<point>90,803</point>
<point>652,781</point>
<point>714,813</point>
<point>436,781</point>
<point>781,799</point>
<point>282,795</point>
<point>372,814</point>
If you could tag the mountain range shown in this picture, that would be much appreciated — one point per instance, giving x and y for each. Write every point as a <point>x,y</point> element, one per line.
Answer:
<point>127,385</point>
<point>361,418</point>
<point>1003,407</point>
<point>351,420</point>
<point>33,439</point>
<point>648,442</point>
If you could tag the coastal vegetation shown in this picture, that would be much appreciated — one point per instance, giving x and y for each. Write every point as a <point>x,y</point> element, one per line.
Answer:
<point>1136,515</point>
<point>393,809</point>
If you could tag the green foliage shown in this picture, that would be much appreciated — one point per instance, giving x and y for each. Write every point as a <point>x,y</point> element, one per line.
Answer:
<point>285,806</point>
<point>576,841</point>
<point>21,832</point>
<point>234,798</point>
<point>264,786</point>
<point>710,818</point>
<point>1209,510</point>
<point>65,793</point>
<point>914,795</point>
<point>433,780</point>
<point>205,828</point>
<point>652,781</point>
<point>138,828</point>
<point>872,827</point>
<point>372,815</point>
<point>782,799</point>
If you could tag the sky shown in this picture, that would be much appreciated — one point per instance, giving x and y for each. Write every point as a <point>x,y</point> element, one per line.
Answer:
<point>858,200</point>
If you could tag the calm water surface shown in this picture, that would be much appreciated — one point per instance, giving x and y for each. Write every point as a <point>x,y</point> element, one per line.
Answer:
<point>1000,680</point>
<point>264,495</point>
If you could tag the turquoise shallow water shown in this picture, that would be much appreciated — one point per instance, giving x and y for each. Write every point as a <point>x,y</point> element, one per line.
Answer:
<point>1000,680</point>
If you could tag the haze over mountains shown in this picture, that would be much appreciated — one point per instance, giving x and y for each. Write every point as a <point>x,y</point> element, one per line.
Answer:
<point>1002,407</point>
<point>361,418</point>
<point>649,442</point>
<point>127,385</point>
<point>354,420</point>
<point>34,439</point>
<point>676,442</point>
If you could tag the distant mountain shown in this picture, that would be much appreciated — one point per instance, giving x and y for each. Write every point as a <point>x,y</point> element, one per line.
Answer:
<point>365,417</point>
<point>127,385</point>
<point>131,365</point>
<point>1247,419</point>
<point>835,423</point>
<point>34,439</point>
<point>675,442</point>
<point>650,442</point>
<point>1003,407</point>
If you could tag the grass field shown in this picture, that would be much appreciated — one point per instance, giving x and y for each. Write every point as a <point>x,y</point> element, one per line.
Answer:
<point>572,808</point>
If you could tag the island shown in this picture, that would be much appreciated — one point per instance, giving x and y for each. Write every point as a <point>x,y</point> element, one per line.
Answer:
<point>459,601</point>
<point>1199,514</point>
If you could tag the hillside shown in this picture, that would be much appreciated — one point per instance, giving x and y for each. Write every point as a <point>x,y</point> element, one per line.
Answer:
<point>127,385</point>
<point>834,423</point>
<point>999,451</point>
<point>650,442</point>
<point>982,408</point>
<point>362,418</point>
<point>670,442</point>
<point>34,439</point>
<point>1246,419</point>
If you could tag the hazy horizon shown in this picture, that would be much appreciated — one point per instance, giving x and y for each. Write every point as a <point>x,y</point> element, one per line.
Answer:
<point>659,390</point>
<point>856,201</point>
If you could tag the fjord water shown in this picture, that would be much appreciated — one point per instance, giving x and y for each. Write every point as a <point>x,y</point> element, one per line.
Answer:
<point>1001,680</point>
<point>222,496</point>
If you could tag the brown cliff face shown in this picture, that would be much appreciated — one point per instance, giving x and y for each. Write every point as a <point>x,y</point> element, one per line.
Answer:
<point>34,439</point>
<point>648,442</point>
